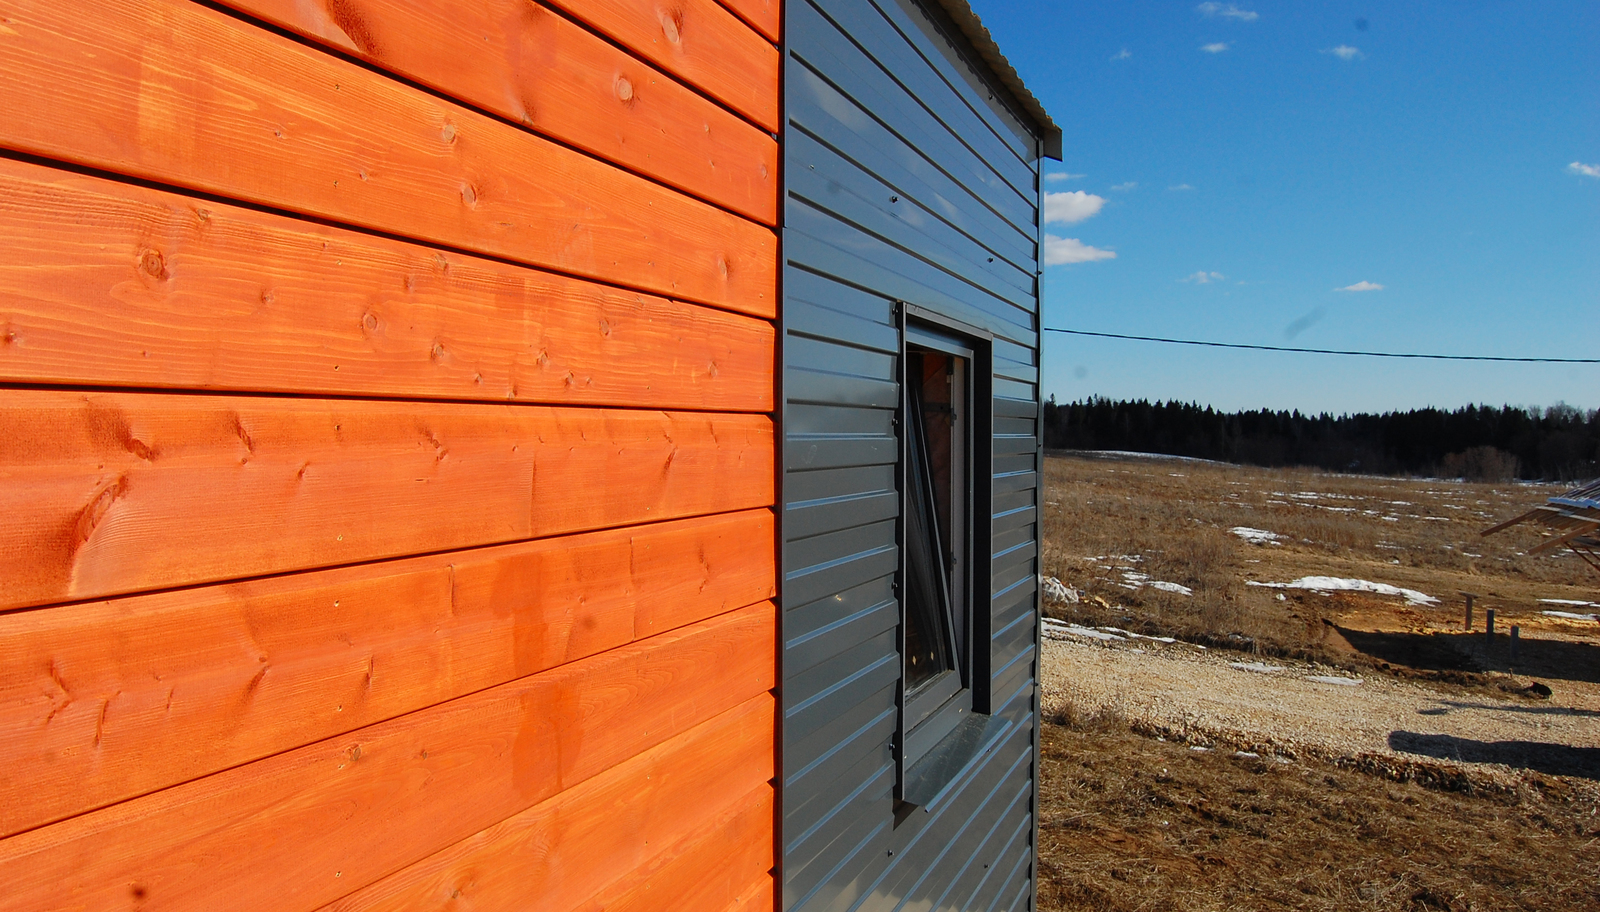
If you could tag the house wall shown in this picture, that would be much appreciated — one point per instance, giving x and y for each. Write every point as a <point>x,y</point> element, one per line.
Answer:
<point>386,454</point>
<point>906,181</point>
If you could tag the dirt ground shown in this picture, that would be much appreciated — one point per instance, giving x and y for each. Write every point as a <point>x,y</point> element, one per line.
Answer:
<point>1131,823</point>
<point>1229,734</point>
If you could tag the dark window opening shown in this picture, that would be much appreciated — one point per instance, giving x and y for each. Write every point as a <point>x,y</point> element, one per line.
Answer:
<point>935,528</point>
<point>936,498</point>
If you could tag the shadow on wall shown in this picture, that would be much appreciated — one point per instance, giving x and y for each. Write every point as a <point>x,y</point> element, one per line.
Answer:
<point>1554,659</point>
<point>1540,756</point>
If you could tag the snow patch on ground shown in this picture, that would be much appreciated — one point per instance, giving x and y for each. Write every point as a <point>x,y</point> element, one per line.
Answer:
<point>1058,629</point>
<point>1331,679</point>
<point>1256,536</point>
<point>1258,667</point>
<point>1571,616</point>
<point>1056,591</point>
<point>1574,602</point>
<point>1327,584</point>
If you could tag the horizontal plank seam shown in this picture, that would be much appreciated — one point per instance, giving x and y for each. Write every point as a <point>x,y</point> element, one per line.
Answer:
<point>386,719</point>
<point>188,587</point>
<point>57,164</point>
<point>883,179</point>
<point>564,14</point>
<point>832,83</point>
<point>218,393</point>
<point>444,96</point>
<point>894,76</point>
<point>889,242</point>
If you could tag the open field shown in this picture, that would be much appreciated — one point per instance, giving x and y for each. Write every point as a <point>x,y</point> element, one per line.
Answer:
<point>1391,759</point>
<point>1133,534</point>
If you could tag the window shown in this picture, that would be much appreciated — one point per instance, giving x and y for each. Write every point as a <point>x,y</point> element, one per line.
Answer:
<point>944,436</point>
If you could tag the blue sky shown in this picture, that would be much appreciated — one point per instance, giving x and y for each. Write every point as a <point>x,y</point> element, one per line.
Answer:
<point>1242,161</point>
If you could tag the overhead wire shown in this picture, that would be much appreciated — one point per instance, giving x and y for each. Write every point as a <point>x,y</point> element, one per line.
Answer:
<point>1322,351</point>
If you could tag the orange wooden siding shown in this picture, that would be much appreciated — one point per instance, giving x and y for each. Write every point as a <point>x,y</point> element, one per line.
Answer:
<point>109,283</point>
<point>174,92</point>
<point>386,454</point>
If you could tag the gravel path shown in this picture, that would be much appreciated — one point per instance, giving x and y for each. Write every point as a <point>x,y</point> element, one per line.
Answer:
<point>1278,706</point>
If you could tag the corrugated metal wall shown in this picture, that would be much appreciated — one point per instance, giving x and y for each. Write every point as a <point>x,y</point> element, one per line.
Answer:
<point>906,182</point>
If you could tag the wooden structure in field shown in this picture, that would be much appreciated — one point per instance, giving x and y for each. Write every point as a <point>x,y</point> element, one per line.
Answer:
<point>1573,520</point>
<point>398,505</point>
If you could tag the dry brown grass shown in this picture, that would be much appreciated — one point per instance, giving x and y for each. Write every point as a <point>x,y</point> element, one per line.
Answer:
<point>1130,823</point>
<point>1105,518</point>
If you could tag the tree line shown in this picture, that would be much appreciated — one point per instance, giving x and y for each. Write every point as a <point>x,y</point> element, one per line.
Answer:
<point>1477,442</point>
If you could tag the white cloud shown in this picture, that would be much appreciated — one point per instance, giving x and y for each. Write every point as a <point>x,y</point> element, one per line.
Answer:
<point>1063,176</point>
<point>1216,47</point>
<point>1204,278</point>
<point>1073,206</point>
<point>1584,170</point>
<point>1127,186</point>
<point>1362,286</point>
<point>1345,52</point>
<point>1228,11</point>
<point>1062,251</point>
<point>1123,54</point>
<point>1181,187</point>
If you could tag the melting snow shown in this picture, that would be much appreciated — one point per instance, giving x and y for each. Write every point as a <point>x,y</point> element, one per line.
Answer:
<point>1572,616</point>
<point>1337,584</point>
<point>1331,679</point>
<point>1256,536</point>
<point>1569,602</point>
<point>1260,667</point>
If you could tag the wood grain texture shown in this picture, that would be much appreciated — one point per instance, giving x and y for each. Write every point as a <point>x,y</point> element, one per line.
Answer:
<point>105,701</point>
<point>112,284</point>
<point>299,830</point>
<point>760,896</point>
<point>175,92</point>
<point>622,824</point>
<point>698,41</point>
<point>765,16</point>
<point>713,868</point>
<point>519,60</point>
<point>103,494</point>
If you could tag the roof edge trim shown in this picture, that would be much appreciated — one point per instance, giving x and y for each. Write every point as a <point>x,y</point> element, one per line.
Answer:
<point>973,29</point>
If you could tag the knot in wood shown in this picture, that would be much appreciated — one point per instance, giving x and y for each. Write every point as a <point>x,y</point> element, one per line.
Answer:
<point>624,89</point>
<point>153,264</point>
<point>671,26</point>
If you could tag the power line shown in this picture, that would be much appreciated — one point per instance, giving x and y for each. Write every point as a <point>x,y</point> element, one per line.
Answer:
<point>1323,351</point>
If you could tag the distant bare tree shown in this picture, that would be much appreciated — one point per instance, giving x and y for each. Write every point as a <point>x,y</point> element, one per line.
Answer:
<point>1480,463</point>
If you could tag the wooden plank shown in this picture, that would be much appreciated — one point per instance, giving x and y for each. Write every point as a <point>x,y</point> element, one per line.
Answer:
<point>109,493</point>
<point>113,284</point>
<point>761,895</point>
<point>105,701</point>
<point>698,41</point>
<point>710,869</point>
<point>517,59</point>
<point>558,854</point>
<point>301,829</point>
<point>175,92</point>
<point>765,16</point>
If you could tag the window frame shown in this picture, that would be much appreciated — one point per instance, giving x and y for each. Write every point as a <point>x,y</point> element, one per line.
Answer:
<point>937,724</point>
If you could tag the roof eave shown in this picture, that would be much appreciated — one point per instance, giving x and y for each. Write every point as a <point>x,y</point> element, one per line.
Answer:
<point>961,14</point>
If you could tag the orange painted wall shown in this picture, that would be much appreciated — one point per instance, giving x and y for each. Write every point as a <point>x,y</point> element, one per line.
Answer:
<point>387,454</point>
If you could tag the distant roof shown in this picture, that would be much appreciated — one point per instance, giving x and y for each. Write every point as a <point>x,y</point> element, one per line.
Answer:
<point>960,12</point>
<point>1573,519</point>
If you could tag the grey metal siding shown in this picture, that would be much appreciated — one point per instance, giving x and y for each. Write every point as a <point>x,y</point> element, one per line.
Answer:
<point>905,182</point>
